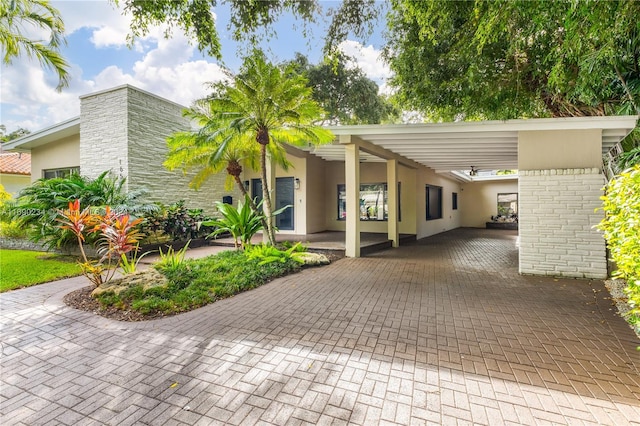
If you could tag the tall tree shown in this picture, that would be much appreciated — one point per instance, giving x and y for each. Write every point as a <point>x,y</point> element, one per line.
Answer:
<point>344,92</point>
<point>18,133</point>
<point>250,20</point>
<point>268,105</point>
<point>508,59</point>
<point>16,16</point>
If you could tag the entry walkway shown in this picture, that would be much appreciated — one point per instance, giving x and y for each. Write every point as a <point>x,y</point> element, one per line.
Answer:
<point>441,331</point>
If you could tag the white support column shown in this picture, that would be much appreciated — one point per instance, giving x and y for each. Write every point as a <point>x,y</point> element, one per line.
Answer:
<point>271,175</point>
<point>352,188</point>
<point>392,202</point>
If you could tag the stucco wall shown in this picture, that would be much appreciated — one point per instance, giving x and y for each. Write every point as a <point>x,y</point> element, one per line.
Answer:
<point>370,173</point>
<point>62,153</point>
<point>14,183</point>
<point>451,219</point>
<point>478,201</point>
<point>315,194</point>
<point>557,217</point>
<point>552,149</point>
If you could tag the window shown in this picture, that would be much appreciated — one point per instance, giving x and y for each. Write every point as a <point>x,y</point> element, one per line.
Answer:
<point>60,173</point>
<point>508,204</point>
<point>434,202</point>
<point>373,202</point>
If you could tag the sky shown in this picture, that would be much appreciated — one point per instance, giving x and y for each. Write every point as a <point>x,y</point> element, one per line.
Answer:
<point>97,51</point>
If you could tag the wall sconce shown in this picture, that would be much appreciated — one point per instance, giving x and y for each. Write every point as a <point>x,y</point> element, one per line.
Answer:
<point>246,185</point>
<point>296,183</point>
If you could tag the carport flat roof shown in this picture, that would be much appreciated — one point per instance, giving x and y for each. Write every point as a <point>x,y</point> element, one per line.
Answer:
<point>487,145</point>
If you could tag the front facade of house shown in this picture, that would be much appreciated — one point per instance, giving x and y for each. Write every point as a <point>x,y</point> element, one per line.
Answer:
<point>390,179</point>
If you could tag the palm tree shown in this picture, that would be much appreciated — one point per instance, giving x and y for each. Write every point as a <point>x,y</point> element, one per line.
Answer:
<point>263,103</point>
<point>15,16</point>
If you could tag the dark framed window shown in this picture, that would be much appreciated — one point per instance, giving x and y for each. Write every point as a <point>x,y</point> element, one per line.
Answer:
<point>62,172</point>
<point>373,202</point>
<point>434,202</point>
<point>454,201</point>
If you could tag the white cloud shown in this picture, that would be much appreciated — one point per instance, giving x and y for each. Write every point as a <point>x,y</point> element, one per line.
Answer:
<point>368,58</point>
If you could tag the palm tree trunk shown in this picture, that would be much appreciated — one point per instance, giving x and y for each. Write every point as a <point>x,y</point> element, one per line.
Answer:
<point>266,199</point>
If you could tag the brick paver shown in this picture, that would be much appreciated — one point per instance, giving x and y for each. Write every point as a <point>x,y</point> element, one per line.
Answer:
<point>443,331</point>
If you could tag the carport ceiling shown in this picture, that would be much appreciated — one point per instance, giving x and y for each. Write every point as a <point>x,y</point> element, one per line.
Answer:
<point>487,145</point>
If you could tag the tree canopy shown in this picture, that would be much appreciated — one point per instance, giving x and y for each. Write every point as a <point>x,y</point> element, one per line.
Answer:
<point>16,16</point>
<point>345,93</point>
<point>508,59</point>
<point>18,133</point>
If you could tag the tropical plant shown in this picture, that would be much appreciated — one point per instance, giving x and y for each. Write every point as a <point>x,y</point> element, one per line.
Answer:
<point>18,15</point>
<point>241,222</point>
<point>118,236</point>
<point>176,222</point>
<point>620,226</point>
<point>171,259</point>
<point>37,206</point>
<point>269,254</point>
<point>129,262</point>
<point>271,105</point>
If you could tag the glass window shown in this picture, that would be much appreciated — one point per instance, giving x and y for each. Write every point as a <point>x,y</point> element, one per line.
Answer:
<point>508,204</point>
<point>60,173</point>
<point>454,201</point>
<point>434,202</point>
<point>373,202</point>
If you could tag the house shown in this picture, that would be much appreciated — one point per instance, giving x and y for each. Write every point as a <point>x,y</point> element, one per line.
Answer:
<point>15,171</point>
<point>417,179</point>
<point>123,130</point>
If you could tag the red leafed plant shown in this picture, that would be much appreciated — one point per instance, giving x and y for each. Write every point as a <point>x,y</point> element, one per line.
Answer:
<point>118,237</point>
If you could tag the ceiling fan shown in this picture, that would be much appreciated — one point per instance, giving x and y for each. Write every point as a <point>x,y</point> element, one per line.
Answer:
<point>473,171</point>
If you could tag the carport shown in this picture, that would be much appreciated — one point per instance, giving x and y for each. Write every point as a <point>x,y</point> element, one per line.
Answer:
<point>560,177</point>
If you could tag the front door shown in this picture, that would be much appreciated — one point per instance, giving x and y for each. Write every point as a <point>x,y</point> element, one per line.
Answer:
<point>284,197</point>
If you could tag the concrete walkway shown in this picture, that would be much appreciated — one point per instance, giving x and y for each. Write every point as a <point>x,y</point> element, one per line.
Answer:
<point>443,331</point>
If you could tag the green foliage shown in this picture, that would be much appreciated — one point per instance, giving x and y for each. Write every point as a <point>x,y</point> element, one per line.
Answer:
<point>172,259</point>
<point>18,133</point>
<point>269,254</point>
<point>507,59</point>
<point>176,221</point>
<point>37,206</point>
<point>344,92</point>
<point>129,263</point>
<point>620,226</point>
<point>197,282</point>
<point>271,106</point>
<point>22,268</point>
<point>241,222</point>
<point>250,21</point>
<point>16,16</point>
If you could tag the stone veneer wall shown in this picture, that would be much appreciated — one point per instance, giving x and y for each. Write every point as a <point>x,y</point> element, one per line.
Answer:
<point>135,146</point>
<point>557,213</point>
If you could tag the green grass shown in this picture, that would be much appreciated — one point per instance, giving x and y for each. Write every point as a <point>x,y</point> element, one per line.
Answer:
<point>197,282</point>
<point>21,268</point>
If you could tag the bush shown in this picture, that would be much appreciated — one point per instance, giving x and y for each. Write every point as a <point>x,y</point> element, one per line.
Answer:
<point>176,222</point>
<point>197,282</point>
<point>620,226</point>
<point>12,229</point>
<point>36,208</point>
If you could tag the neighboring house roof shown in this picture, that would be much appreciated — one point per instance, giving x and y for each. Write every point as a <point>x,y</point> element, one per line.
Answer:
<point>42,137</point>
<point>15,163</point>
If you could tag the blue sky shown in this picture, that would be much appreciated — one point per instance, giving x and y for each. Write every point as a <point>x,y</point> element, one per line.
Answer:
<point>96,49</point>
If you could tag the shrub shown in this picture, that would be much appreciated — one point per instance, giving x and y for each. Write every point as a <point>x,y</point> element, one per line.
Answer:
<point>620,226</point>
<point>241,222</point>
<point>269,254</point>
<point>36,208</point>
<point>177,222</point>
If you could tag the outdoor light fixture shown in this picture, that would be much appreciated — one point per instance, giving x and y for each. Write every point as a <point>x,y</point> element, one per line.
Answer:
<point>297,183</point>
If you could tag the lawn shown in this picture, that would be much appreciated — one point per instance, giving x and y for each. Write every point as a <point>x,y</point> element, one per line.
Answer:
<point>21,268</point>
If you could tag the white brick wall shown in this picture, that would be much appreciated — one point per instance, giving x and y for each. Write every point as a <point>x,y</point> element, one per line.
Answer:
<point>557,212</point>
<point>124,130</point>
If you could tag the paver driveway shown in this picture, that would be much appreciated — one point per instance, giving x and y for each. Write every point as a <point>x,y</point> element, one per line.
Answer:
<point>442,331</point>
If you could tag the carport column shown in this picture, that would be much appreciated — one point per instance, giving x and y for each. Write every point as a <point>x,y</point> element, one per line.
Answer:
<point>560,183</point>
<point>352,188</point>
<point>392,202</point>
<point>271,175</point>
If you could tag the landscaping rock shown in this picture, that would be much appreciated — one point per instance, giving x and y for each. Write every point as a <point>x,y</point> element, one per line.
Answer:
<point>314,259</point>
<point>147,279</point>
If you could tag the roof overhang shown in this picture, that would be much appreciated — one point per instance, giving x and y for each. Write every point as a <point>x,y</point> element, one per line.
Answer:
<point>485,145</point>
<point>47,135</point>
